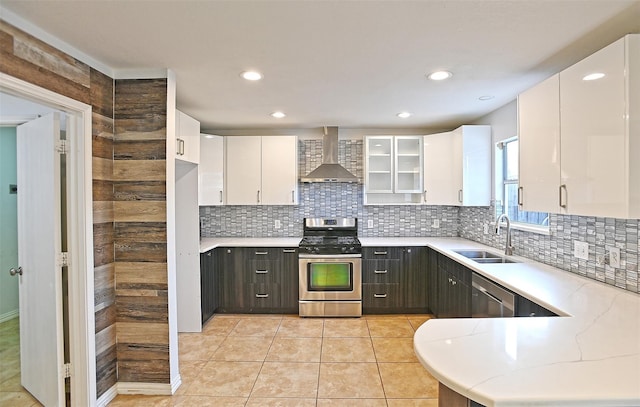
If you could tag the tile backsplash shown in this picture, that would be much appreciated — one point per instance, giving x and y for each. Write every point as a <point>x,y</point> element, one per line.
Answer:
<point>346,200</point>
<point>556,249</point>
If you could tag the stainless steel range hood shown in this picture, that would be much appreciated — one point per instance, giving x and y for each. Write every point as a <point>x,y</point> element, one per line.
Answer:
<point>330,170</point>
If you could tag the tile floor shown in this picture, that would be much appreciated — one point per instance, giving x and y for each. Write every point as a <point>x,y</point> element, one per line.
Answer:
<point>11,392</point>
<point>276,360</point>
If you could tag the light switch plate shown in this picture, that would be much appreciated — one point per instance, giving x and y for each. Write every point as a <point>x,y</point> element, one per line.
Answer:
<point>436,223</point>
<point>581,250</point>
<point>370,223</point>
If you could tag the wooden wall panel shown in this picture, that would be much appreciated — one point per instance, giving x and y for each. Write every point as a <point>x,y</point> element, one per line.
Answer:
<point>140,245</point>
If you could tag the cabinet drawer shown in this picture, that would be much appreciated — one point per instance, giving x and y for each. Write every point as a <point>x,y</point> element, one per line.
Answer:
<point>381,271</point>
<point>262,271</point>
<point>381,253</point>
<point>261,295</point>
<point>381,296</point>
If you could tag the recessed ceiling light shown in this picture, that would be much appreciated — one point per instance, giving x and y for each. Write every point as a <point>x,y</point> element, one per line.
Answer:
<point>593,76</point>
<point>403,115</point>
<point>251,75</point>
<point>208,136</point>
<point>278,115</point>
<point>439,75</point>
<point>486,97</point>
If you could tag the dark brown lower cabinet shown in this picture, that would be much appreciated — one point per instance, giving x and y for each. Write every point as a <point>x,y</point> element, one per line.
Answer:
<point>454,289</point>
<point>382,298</point>
<point>527,308</point>
<point>208,285</point>
<point>258,280</point>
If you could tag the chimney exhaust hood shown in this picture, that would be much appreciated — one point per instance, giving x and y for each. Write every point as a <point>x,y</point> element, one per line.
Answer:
<point>330,170</point>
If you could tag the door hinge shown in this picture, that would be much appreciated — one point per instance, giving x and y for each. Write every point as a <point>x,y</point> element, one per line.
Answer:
<point>62,147</point>
<point>66,370</point>
<point>63,259</point>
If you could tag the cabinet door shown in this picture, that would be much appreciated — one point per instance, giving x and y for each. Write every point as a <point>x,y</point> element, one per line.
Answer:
<point>243,163</point>
<point>187,138</point>
<point>408,164</point>
<point>539,151</point>
<point>475,165</point>
<point>379,164</point>
<point>208,286</point>
<point>431,260</point>
<point>592,128</point>
<point>211,170</point>
<point>441,180</point>
<point>288,279</point>
<point>230,281</point>
<point>415,279</point>
<point>279,170</point>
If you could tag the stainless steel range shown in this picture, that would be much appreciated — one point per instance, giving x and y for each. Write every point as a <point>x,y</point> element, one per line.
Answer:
<point>330,259</point>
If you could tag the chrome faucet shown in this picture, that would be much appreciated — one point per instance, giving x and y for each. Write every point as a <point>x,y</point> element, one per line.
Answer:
<point>508,249</point>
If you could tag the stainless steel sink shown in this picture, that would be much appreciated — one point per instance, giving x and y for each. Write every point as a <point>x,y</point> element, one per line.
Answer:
<point>485,257</point>
<point>478,254</point>
<point>494,260</point>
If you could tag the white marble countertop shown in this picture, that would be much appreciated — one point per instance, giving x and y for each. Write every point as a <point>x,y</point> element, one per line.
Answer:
<point>589,356</point>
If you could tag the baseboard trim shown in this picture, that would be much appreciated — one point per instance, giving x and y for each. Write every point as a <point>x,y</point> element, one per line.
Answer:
<point>148,389</point>
<point>107,396</point>
<point>8,316</point>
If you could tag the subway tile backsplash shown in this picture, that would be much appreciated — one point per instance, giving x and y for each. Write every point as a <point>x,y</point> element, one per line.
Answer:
<point>346,200</point>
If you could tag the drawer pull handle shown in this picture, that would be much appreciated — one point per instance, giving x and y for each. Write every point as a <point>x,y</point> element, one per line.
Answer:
<point>380,253</point>
<point>288,250</point>
<point>262,295</point>
<point>261,253</point>
<point>262,271</point>
<point>379,295</point>
<point>380,271</point>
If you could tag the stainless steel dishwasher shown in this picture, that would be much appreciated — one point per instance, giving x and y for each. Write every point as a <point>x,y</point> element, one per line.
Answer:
<point>489,300</point>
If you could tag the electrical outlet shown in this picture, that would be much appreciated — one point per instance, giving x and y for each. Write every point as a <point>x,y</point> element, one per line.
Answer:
<point>370,223</point>
<point>276,224</point>
<point>485,228</point>
<point>436,223</point>
<point>614,257</point>
<point>581,250</point>
<point>600,260</point>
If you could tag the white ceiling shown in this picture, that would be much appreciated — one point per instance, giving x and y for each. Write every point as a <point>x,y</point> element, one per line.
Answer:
<point>353,64</point>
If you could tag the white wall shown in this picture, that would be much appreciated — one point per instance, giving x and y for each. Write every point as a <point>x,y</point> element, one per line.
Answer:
<point>8,225</point>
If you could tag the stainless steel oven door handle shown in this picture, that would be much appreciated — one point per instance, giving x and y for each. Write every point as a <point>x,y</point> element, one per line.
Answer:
<point>329,256</point>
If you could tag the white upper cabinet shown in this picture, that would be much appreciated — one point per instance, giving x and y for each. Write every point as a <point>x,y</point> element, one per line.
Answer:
<point>596,157</point>
<point>393,169</point>
<point>261,170</point>
<point>187,138</point>
<point>539,139</point>
<point>211,170</point>
<point>457,167</point>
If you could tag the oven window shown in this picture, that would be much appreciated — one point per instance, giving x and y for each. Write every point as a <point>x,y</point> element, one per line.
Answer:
<point>330,277</point>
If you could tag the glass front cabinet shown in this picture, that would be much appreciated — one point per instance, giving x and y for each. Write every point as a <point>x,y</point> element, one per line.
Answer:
<point>393,169</point>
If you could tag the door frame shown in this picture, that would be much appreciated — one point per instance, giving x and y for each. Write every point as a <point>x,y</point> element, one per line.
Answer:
<point>80,233</point>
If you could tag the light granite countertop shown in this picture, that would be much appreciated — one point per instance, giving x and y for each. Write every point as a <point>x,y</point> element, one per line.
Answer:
<point>588,356</point>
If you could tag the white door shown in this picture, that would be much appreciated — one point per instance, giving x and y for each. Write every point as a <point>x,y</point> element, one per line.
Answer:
<point>279,170</point>
<point>243,165</point>
<point>39,239</point>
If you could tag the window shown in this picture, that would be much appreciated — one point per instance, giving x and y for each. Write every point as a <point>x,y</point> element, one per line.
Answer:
<point>509,203</point>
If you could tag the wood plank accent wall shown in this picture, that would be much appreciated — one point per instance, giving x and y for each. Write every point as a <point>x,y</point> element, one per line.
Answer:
<point>140,230</point>
<point>129,195</point>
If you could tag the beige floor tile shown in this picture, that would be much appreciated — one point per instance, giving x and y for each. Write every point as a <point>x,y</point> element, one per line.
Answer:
<point>256,327</point>
<point>301,327</point>
<point>384,316</point>
<point>351,403</point>
<point>346,328</point>
<point>243,349</point>
<point>418,320</point>
<point>220,326</point>
<point>287,379</point>
<point>189,370</point>
<point>412,402</point>
<point>11,384</point>
<point>394,349</point>
<point>122,400</point>
<point>407,380</point>
<point>226,379</point>
<point>349,380</point>
<point>196,346</point>
<point>347,350</point>
<point>285,349</point>
<point>281,402</point>
<point>390,328</point>
<point>208,401</point>
<point>17,399</point>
